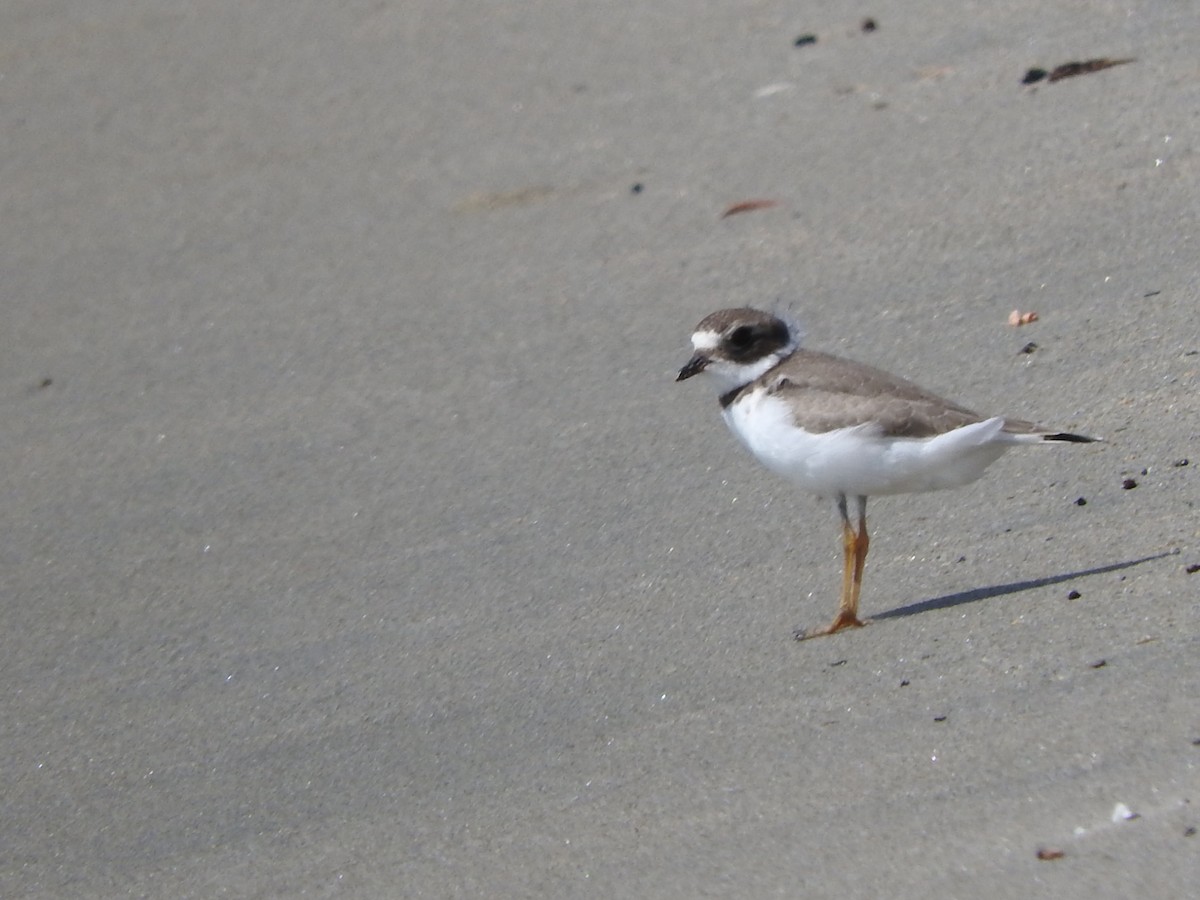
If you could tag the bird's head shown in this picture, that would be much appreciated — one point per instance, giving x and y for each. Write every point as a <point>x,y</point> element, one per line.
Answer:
<point>736,346</point>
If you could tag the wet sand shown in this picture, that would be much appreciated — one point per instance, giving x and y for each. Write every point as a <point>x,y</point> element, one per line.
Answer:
<point>358,540</point>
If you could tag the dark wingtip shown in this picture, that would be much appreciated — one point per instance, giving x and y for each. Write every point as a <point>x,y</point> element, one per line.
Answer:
<point>1068,438</point>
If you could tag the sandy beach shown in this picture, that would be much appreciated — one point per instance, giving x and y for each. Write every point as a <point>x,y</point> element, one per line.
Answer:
<point>359,542</point>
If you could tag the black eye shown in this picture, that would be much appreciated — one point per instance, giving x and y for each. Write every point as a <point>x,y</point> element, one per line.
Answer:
<point>741,337</point>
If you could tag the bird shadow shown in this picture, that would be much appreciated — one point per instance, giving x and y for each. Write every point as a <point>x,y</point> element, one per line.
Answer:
<point>947,601</point>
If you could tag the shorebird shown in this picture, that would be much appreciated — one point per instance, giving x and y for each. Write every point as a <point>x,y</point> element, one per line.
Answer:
<point>843,429</point>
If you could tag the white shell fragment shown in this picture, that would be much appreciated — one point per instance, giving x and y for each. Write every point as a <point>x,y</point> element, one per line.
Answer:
<point>1122,813</point>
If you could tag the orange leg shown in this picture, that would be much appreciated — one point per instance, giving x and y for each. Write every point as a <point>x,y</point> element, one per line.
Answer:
<point>862,543</point>
<point>854,558</point>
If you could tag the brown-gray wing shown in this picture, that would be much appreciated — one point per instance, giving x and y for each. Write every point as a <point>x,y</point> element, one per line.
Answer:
<point>829,392</point>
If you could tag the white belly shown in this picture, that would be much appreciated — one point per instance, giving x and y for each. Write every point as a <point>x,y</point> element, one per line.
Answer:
<point>857,460</point>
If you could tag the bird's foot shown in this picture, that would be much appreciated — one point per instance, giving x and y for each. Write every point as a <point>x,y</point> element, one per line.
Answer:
<point>843,620</point>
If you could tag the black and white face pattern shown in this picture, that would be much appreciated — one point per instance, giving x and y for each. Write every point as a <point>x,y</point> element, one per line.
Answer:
<point>737,346</point>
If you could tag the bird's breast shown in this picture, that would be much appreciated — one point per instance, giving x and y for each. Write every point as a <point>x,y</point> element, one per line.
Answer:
<point>765,426</point>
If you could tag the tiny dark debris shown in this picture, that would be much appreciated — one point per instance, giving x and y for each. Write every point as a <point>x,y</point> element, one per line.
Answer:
<point>1071,69</point>
<point>1050,853</point>
<point>1193,568</point>
<point>1128,484</point>
<point>1073,595</point>
<point>1152,294</point>
<point>1190,831</point>
<point>840,662</point>
<point>1030,347</point>
<point>939,718</point>
<point>637,188</point>
<point>869,25</point>
<point>904,682</point>
<point>961,559</point>
<point>1180,463</point>
<point>804,40</point>
<point>1081,501</point>
<point>45,383</point>
<point>1100,664</point>
<point>1196,742</point>
<point>748,206</point>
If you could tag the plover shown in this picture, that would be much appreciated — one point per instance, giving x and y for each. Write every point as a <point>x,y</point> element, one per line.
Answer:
<point>842,429</point>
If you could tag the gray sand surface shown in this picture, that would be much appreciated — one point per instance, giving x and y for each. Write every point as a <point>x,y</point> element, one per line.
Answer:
<point>357,540</point>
